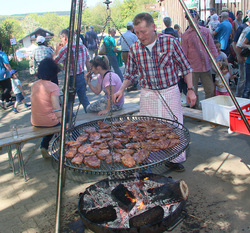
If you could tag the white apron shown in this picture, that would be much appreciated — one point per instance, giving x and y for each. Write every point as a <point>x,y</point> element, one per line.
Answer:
<point>151,104</point>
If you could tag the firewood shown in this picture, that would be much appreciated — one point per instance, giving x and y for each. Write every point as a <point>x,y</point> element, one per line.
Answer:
<point>151,216</point>
<point>100,215</point>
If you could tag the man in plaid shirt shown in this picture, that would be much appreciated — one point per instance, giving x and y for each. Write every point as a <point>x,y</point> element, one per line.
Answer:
<point>156,59</point>
<point>83,59</point>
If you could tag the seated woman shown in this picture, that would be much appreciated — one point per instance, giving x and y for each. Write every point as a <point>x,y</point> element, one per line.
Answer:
<point>45,99</point>
<point>107,81</point>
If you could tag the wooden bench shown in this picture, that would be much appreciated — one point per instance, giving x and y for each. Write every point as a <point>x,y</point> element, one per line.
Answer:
<point>29,133</point>
<point>196,114</point>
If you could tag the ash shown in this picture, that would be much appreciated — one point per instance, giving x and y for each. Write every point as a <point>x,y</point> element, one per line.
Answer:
<point>97,196</point>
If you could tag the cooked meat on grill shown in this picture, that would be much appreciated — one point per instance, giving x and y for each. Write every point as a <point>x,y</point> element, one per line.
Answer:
<point>133,145</point>
<point>156,135</point>
<point>139,137</point>
<point>78,159</point>
<point>83,137</point>
<point>83,148</point>
<point>92,161</point>
<point>102,154</point>
<point>103,125</point>
<point>123,140</point>
<point>173,142</point>
<point>71,152</point>
<point>128,160</point>
<point>115,143</point>
<point>116,158</point>
<point>90,151</point>
<point>106,135</point>
<point>125,151</point>
<point>90,130</point>
<point>102,146</point>
<point>172,135</point>
<point>94,136</point>
<point>104,131</point>
<point>141,155</point>
<point>142,124</point>
<point>120,134</point>
<point>73,143</point>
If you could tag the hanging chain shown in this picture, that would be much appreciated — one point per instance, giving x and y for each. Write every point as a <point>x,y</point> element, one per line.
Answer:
<point>174,116</point>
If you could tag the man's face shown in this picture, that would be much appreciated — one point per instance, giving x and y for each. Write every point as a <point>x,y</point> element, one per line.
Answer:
<point>64,40</point>
<point>212,12</point>
<point>146,34</point>
<point>195,18</point>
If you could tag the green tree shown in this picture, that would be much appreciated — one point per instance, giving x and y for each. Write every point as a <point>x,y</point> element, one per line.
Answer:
<point>30,23</point>
<point>10,28</point>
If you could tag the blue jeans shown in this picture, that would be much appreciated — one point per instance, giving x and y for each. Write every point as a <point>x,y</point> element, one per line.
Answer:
<point>114,63</point>
<point>80,86</point>
<point>246,93</point>
<point>46,139</point>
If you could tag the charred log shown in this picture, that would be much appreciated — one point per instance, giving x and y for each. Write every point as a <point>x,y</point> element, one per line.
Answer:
<point>125,199</point>
<point>177,190</point>
<point>101,215</point>
<point>151,216</point>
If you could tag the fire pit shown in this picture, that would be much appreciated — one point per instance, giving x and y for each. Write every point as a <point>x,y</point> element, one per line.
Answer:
<point>142,203</point>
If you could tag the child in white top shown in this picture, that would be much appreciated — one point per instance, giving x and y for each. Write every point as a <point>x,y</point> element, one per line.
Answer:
<point>220,87</point>
<point>18,90</point>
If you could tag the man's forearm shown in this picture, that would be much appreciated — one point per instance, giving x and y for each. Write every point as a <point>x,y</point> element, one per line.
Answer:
<point>126,83</point>
<point>189,80</point>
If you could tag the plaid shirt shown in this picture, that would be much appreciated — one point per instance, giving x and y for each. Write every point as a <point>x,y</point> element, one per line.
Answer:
<point>157,69</point>
<point>82,58</point>
<point>42,52</point>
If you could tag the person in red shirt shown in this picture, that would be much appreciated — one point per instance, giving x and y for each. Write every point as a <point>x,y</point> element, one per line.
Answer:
<point>198,57</point>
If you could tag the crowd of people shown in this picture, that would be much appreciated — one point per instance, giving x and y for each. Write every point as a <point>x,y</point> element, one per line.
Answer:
<point>163,64</point>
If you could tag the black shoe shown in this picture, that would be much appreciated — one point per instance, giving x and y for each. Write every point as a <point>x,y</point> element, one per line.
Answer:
<point>2,105</point>
<point>175,166</point>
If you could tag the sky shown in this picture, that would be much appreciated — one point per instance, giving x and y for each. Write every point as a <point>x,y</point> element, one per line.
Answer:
<point>34,6</point>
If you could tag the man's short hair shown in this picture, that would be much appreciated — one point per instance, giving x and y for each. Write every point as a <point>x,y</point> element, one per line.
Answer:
<point>92,27</point>
<point>64,32</point>
<point>112,29</point>
<point>212,9</point>
<point>224,14</point>
<point>143,17</point>
<point>167,21</point>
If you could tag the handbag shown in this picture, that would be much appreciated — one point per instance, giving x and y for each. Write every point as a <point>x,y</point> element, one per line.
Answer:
<point>245,52</point>
<point>103,49</point>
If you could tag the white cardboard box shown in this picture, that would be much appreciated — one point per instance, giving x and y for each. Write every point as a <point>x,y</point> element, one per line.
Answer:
<point>216,109</point>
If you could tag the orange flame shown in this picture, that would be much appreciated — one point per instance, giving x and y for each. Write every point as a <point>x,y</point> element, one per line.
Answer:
<point>146,178</point>
<point>130,198</point>
<point>141,206</point>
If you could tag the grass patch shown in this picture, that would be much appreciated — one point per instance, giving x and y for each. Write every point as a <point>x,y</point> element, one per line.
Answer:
<point>21,65</point>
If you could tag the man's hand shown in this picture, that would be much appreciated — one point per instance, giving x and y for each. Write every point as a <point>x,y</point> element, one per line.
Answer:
<point>191,98</point>
<point>117,96</point>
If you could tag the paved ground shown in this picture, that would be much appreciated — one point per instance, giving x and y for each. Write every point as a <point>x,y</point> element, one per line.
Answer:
<point>217,173</point>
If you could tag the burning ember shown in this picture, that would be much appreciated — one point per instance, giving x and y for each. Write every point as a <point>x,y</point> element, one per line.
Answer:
<point>132,202</point>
